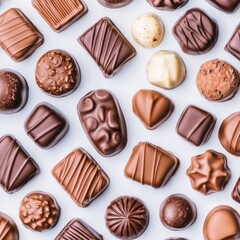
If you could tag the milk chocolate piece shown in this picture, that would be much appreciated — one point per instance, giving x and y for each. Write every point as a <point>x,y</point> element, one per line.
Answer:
<point>18,36</point>
<point>127,217</point>
<point>13,91</point>
<point>39,211</point>
<point>227,6</point>
<point>152,107</point>
<point>196,32</point>
<point>114,3</point>
<point>60,14</point>
<point>58,73</point>
<point>178,212</point>
<point>209,172</point>
<point>81,177</point>
<point>107,46</point>
<point>46,125</point>
<point>195,125</point>
<point>151,165</point>
<point>236,191</point>
<point>223,222</point>
<point>16,166</point>
<point>8,228</point>
<point>103,122</point>
<point>168,5</point>
<point>77,229</point>
<point>176,239</point>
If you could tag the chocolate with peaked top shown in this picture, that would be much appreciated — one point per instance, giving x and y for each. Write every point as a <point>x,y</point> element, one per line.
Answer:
<point>107,46</point>
<point>151,165</point>
<point>114,3</point>
<point>16,166</point>
<point>39,211</point>
<point>168,5</point>
<point>236,191</point>
<point>81,177</point>
<point>209,172</point>
<point>58,73</point>
<point>195,125</point>
<point>77,229</point>
<point>127,217</point>
<point>46,125</point>
<point>18,36</point>
<point>103,122</point>
<point>178,212</point>
<point>228,6</point>
<point>13,91</point>
<point>223,222</point>
<point>196,32</point>
<point>62,13</point>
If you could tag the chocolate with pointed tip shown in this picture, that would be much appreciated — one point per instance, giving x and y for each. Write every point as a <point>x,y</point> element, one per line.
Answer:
<point>169,5</point>
<point>114,3</point>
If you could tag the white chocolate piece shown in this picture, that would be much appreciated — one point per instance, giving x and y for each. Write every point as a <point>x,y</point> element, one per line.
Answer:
<point>148,30</point>
<point>166,69</point>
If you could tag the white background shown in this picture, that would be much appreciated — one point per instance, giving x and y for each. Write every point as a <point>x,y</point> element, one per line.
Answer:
<point>125,84</point>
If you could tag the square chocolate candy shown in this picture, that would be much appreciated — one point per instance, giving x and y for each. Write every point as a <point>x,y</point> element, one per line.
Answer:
<point>228,6</point>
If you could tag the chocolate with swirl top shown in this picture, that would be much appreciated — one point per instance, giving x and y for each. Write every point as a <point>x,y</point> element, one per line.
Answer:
<point>168,5</point>
<point>236,191</point>
<point>114,3</point>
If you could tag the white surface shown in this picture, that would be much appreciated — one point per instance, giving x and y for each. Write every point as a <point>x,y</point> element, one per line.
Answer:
<point>129,80</point>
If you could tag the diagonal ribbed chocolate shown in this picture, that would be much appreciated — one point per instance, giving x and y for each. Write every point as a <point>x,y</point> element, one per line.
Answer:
<point>228,6</point>
<point>168,5</point>
<point>114,3</point>
<point>236,191</point>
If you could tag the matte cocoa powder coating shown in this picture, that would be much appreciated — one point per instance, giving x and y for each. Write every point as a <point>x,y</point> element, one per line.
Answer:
<point>228,6</point>
<point>114,3</point>
<point>236,191</point>
<point>168,5</point>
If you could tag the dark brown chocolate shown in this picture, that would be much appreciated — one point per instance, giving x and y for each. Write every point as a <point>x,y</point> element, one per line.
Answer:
<point>227,6</point>
<point>114,3</point>
<point>236,191</point>
<point>168,5</point>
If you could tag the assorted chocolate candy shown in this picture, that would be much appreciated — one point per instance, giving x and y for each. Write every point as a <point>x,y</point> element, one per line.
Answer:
<point>168,5</point>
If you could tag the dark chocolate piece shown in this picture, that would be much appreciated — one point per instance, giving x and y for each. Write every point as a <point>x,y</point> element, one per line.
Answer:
<point>103,122</point>
<point>209,172</point>
<point>114,3</point>
<point>18,36</point>
<point>227,6</point>
<point>62,13</point>
<point>46,125</point>
<point>236,191</point>
<point>107,46</point>
<point>127,217</point>
<point>58,73</point>
<point>81,177</point>
<point>77,229</point>
<point>39,211</point>
<point>151,165</point>
<point>178,212</point>
<point>168,5</point>
<point>13,91</point>
<point>16,166</point>
<point>195,125</point>
<point>196,32</point>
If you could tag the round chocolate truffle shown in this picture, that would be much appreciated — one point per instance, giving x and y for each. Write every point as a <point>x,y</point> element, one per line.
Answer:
<point>168,5</point>
<point>217,80</point>
<point>58,73</point>
<point>39,211</point>
<point>114,3</point>
<point>127,217</point>
<point>13,91</point>
<point>177,212</point>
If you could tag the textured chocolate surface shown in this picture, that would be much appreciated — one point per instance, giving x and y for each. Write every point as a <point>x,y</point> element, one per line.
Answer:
<point>46,125</point>
<point>223,222</point>
<point>77,229</point>
<point>81,177</point>
<point>177,212</point>
<point>151,165</point>
<point>103,122</point>
<point>39,211</point>
<point>228,6</point>
<point>195,125</point>
<point>236,191</point>
<point>152,107</point>
<point>196,32</point>
<point>13,91</point>
<point>62,13</point>
<point>127,217</point>
<point>16,166</point>
<point>168,5</point>
<point>209,172</point>
<point>114,3</point>
<point>58,73</point>
<point>18,36</point>
<point>107,46</point>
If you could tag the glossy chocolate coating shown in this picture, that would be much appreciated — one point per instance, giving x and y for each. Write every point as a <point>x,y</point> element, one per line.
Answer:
<point>103,122</point>
<point>60,14</point>
<point>195,125</point>
<point>79,166</point>
<point>168,5</point>
<point>39,211</point>
<point>13,158</point>
<point>209,172</point>
<point>236,191</point>
<point>151,165</point>
<point>18,36</point>
<point>196,32</point>
<point>13,91</point>
<point>107,46</point>
<point>152,107</point>
<point>223,222</point>
<point>228,6</point>
<point>114,3</point>
<point>58,73</point>
<point>130,215</point>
